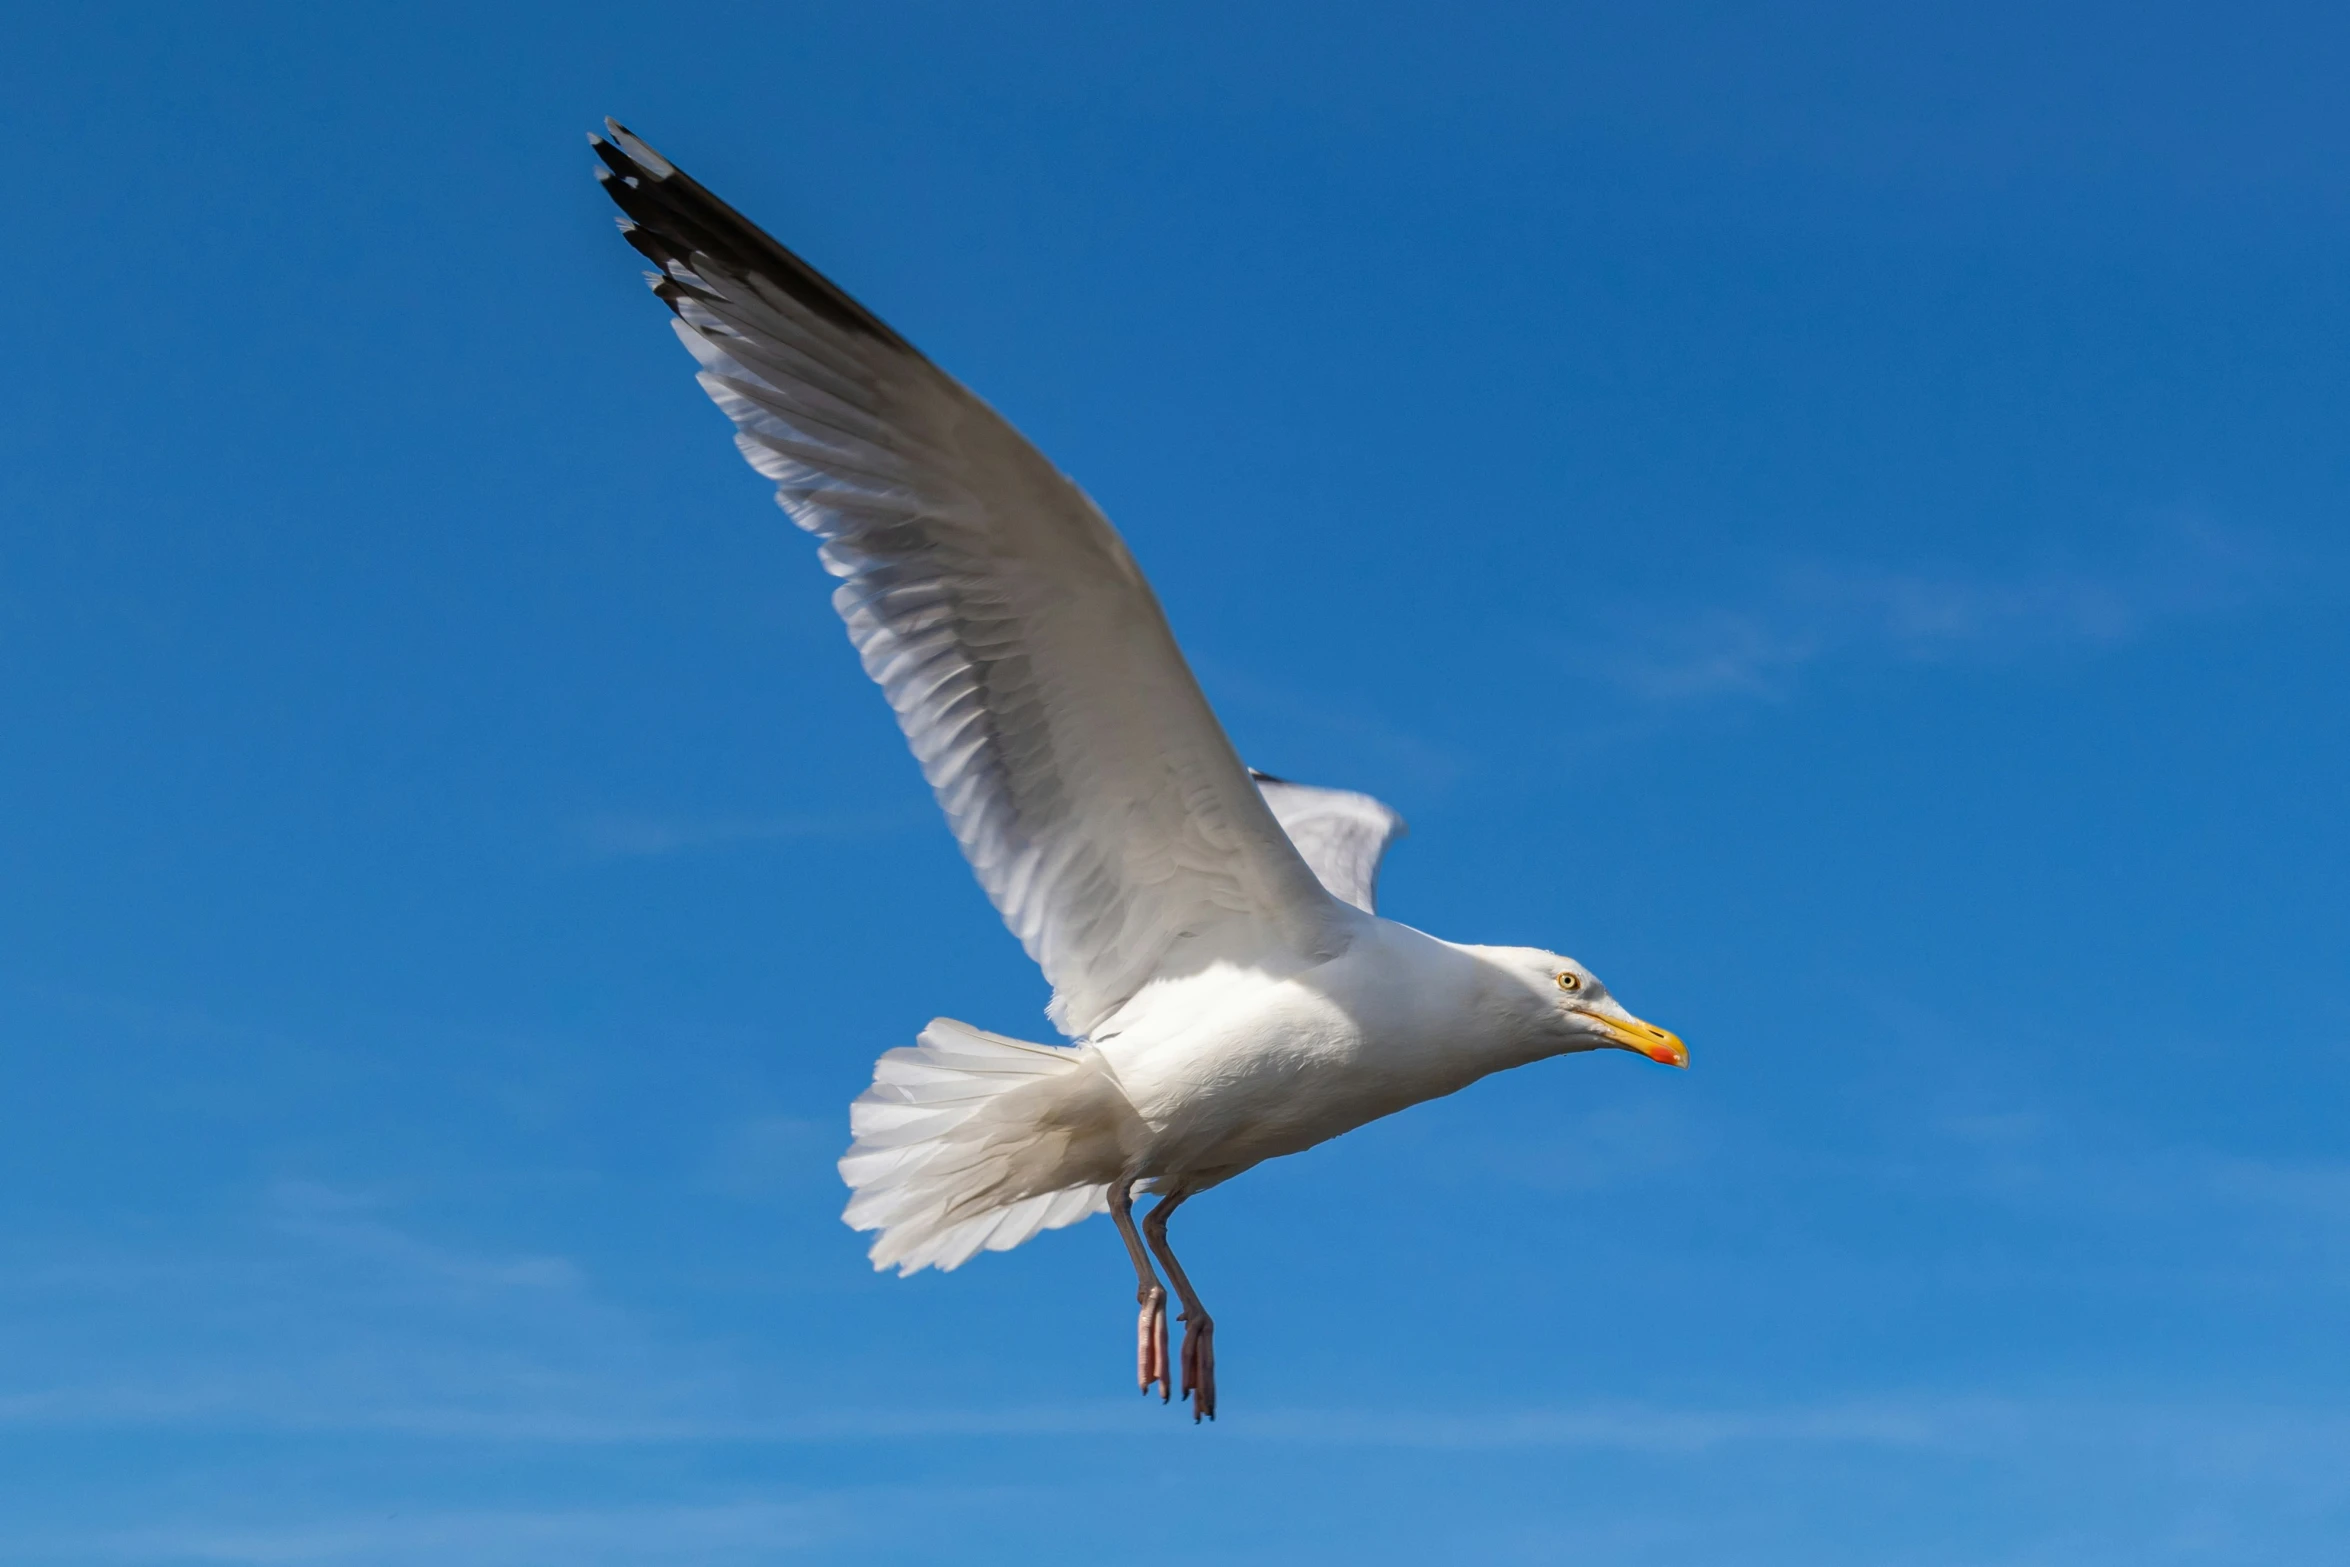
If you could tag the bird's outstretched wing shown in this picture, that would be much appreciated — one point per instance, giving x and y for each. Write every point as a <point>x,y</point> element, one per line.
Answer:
<point>1343,835</point>
<point>1029,663</point>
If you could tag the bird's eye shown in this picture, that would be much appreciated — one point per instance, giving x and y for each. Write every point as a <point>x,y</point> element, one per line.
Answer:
<point>1570,982</point>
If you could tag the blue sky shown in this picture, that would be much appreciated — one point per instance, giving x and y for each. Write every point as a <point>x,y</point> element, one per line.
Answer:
<point>1831,514</point>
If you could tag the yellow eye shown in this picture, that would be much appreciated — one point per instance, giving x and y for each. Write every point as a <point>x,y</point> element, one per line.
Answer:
<point>1570,982</point>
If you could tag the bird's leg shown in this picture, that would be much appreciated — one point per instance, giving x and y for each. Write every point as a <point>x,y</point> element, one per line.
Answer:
<point>1150,1329</point>
<point>1199,1329</point>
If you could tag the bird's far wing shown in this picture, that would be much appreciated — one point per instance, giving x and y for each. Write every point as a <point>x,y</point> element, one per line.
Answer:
<point>1031,668</point>
<point>1343,835</point>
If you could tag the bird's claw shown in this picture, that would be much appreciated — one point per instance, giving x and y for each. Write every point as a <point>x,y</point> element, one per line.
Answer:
<point>1199,1365</point>
<point>1150,1345</point>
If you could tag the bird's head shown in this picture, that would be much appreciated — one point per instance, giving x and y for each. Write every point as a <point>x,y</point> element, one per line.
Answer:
<point>1567,1007</point>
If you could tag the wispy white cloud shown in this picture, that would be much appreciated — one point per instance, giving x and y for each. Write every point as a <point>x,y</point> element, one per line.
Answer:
<point>2214,1449</point>
<point>317,1310</point>
<point>1806,615</point>
<point>726,1532</point>
<point>2299,1205</point>
<point>2204,1216</point>
<point>337,1317</point>
<point>717,1532</point>
<point>347,1223</point>
<point>1631,1428</point>
<point>2313,1189</point>
<point>2181,1480</point>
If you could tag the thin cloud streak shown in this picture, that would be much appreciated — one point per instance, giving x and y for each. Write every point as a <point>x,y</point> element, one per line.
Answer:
<point>2197,1464</point>
<point>742,1529</point>
<point>736,1531</point>
<point>1812,614</point>
<point>1968,1425</point>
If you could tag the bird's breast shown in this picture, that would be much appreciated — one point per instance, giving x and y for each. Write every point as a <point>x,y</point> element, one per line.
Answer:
<point>1232,1068</point>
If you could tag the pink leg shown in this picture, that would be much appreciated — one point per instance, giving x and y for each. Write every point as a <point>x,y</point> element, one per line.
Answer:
<point>1199,1329</point>
<point>1150,1328</point>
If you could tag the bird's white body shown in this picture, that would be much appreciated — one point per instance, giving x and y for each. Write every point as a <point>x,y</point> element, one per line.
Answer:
<point>973,1141</point>
<point>1235,1065</point>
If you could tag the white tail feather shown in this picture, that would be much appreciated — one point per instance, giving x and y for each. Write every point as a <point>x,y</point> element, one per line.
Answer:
<point>971,1141</point>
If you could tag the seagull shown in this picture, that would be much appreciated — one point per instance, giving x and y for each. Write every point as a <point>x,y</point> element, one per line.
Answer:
<point>1209,931</point>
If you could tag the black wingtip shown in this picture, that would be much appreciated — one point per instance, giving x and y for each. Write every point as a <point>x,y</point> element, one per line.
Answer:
<point>639,151</point>
<point>676,218</point>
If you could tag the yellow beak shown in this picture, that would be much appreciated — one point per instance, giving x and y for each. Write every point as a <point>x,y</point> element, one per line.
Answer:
<point>1658,1044</point>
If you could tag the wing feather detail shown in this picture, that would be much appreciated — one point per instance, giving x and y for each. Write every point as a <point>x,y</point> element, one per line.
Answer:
<point>1341,834</point>
<point>1028,662</point>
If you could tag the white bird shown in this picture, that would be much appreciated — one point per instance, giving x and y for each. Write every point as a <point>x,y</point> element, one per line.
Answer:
<point>1208,931</point>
